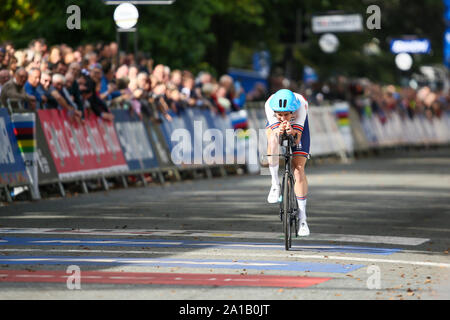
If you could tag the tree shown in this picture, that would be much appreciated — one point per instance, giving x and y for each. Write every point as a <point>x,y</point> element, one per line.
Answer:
<point>199,34</point>
<point>12,15</point>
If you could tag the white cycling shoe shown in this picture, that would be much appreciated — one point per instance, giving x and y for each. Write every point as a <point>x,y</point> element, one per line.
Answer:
<point>303,231</point>
<point>274,194</point>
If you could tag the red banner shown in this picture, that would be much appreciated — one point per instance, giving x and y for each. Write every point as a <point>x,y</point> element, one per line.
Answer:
<point>81,149</point>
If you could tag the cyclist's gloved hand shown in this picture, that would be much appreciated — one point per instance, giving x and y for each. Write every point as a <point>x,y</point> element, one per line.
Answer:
<point>284,126</point>
<point>289,129</point>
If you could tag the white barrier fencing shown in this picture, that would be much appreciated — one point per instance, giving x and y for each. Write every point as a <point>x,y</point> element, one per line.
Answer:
<point>208,141</point>
<point>337,129</point>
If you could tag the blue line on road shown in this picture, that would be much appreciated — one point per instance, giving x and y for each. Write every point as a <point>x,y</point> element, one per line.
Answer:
<point>186,263</point>
<point>155,243</point>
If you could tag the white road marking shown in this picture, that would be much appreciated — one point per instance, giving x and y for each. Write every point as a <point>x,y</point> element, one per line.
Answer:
<point>34,276</point>
<point>104,242</point>
<point>407,241</point>
<point>246,255</point>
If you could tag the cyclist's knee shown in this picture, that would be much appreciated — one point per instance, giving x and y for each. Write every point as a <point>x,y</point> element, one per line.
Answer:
<point>299,171</point>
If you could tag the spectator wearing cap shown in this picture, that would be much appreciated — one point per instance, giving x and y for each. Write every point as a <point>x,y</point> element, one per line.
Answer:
<point>14,90</point>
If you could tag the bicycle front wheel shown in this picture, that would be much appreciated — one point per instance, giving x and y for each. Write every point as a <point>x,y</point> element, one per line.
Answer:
<point>286,212</point>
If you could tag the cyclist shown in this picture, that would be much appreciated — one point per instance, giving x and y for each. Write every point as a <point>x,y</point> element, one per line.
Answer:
<point>287,112</point>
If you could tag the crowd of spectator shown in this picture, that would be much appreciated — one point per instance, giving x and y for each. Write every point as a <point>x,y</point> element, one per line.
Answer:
<point>96,78</point>
<point>369,98</point>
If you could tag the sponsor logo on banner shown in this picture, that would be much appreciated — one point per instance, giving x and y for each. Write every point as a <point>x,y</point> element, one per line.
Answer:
<point>25,131</point>
<point>134,141</point>
<point>337,23</point>
<point>12,167</point>
<point>410,46</point>
<point>447,46</point>
<point>81,149</point>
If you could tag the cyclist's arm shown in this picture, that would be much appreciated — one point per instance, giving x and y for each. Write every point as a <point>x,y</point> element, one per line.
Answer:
<point>300,117</point>
<point>272,120</point>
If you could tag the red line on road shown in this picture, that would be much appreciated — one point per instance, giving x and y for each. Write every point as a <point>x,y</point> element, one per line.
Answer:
<point>193,279</point>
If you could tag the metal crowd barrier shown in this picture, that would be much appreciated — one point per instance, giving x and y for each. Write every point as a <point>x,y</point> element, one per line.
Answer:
<point>57,150</point>
<point>48,147</point>
<point>337,129</point>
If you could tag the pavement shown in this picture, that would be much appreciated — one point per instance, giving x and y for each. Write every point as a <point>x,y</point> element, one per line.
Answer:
<point>380,230</point>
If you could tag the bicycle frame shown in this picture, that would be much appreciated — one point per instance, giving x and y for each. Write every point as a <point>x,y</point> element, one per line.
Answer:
<point>288,205</point>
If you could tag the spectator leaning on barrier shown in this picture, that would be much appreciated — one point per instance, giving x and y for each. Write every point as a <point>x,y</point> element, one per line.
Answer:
<point>91,101</point>
<point>32,85</point>
<point>142,95</point>
<point>226,82</point>
<point>108,87</point>
<point>43,89</point>
<point>70,80</point>
<point>75,71</point>
<point>14,89</point>
<point>60,97</point>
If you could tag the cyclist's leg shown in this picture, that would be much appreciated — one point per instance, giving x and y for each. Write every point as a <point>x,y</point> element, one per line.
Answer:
<point>273,148</point>
<point>299,162</point>
<point>301,182</point>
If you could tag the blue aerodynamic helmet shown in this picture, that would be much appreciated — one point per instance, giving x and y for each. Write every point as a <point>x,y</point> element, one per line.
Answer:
<point>284,100</point>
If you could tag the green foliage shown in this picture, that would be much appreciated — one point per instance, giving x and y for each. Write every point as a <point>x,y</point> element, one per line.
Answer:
<point>198,34</point>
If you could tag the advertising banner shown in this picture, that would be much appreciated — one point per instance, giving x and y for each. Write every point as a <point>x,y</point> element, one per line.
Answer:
<point>342,110</point>
<point>136,146</point>
<point>157,139</point>
<point>178,137</point>
<point>447,47</point>
<point>47,172</point>
<point>337,23</point>
<point>80,150</point>
<point>12,167</point>
<point>25,131</point>
<point>416,46</point>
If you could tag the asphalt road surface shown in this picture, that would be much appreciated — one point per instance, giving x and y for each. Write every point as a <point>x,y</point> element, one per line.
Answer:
<point>380,229</point>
